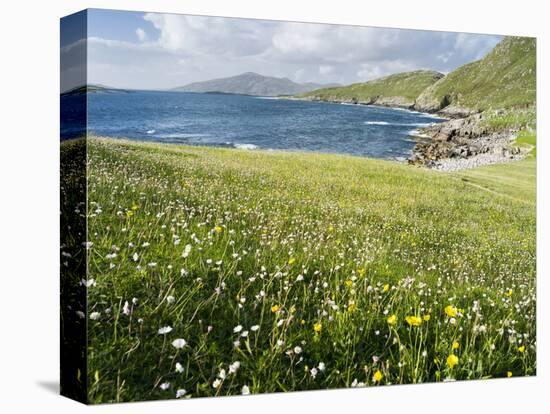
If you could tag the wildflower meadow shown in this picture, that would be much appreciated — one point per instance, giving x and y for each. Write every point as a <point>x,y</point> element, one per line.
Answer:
<point>225,272</point>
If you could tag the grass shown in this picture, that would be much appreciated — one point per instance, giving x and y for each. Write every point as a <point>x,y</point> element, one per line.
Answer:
<point>407,85</point>
<point>505,78</point>
<point>311,271</point>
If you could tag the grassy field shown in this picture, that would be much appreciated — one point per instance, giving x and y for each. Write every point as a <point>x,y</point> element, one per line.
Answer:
<point>219,271</point>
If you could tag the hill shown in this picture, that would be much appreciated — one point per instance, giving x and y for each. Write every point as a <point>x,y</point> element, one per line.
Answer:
<point>400,90</point>
<point>504,78</point>
<point>251,83</point>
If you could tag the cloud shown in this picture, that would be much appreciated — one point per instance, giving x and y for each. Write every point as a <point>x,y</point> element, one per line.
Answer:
<point>179,49</point>
<point>141,34</point>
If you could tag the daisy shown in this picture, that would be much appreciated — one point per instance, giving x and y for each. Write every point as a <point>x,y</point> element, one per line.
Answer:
<point>178,343</point>
<point>165,330</point>
<point>180,393</point>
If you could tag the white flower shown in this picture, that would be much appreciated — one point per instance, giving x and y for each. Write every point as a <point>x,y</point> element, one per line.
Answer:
<point>322,366</point>
<point>234,367</point>
<point>186,250</point>
<point>244,334</point>
<point>164,386</point>
<point>135,257</point>
<point>222,374</point>
<point>208,261</point>
<point>313,372</point>
<point>217,382</point>
<point>94,316</point>
<point>89,282</point>
<point>299,278</point>
<point>152,264</point>
<point>180,393</point>
<point>297,350</point>
<point>164,330</point>
<point>80,314</point>
<point>178,343</point>
<point>170,299</point>
<point>126,308</point>
<point>179,367</point>
<point>452,321</point>
<point>146,244</point>
<point>255,328</point>
<point>280,342</point>
<point>237,328</point>
<point>135,301</point>
<point>245,390</point>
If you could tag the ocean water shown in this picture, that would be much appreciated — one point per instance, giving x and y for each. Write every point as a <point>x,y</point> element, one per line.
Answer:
<point>248,122</point>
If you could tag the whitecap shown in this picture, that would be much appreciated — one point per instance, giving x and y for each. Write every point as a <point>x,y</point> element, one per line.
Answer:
<point>376,123</point>
<point>246,146</point>
<point>151,131</point>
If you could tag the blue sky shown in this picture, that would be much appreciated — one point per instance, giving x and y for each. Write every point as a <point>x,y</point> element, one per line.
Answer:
<point>157,51</point>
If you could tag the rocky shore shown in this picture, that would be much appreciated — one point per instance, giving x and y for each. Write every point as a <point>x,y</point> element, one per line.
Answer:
<point>464,143</point>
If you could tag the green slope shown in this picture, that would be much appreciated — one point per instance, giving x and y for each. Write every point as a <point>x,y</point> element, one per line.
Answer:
<point>505,78</point>
<point>401,88</point>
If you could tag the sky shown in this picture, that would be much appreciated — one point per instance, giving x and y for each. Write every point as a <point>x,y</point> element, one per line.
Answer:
<point>157,51</point>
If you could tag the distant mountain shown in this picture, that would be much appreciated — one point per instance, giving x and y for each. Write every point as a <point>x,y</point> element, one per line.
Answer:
<point>251,83</point>
<point>504,78</point>
<point>399,90</point>
<point>92,88</point>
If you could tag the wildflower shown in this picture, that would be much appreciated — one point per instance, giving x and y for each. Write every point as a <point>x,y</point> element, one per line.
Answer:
<point>165,330</point>
<point>392,320</point>
<point>180,393</point>
<point>170,299</point>
<point>426,318</point>
<point>386,288</point>
<point>126,308</point>
<point>317,327</point>
<point>217,382</point>
<point>94,316</point>
<point>313,371</point>
<point>321,366</point>
<point>352,307</point>
<point>509,374</point>
<point>237,329</point>
<point>377,377</point>
<point>521,349</point>
<point>164,386</point>
<point>179,367</point>
<point>451,311</point>
<point>509,293</point>
<point>275,308</point>
<point>456,345</point>
<point>179,343</point>
<point>186,250</point>
<point>452,360</point>
<point>135,257</point>
<point>349,283</point>
<point>245,390</point>
<point>233,368</point>
<point>414,320</point>
<point>291,260</point>
<point>135,301</point>
<point>218,229</point>
<point>297,350</point>
<point>254,328</point>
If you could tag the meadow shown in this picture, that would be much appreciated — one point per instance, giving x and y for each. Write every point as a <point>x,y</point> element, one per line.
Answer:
<point>219,272</point>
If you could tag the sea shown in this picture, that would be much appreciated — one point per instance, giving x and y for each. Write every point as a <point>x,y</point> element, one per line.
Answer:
<point>246,122</point>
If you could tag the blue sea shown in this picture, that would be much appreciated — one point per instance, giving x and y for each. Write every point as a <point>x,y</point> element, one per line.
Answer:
<point>248,122</point>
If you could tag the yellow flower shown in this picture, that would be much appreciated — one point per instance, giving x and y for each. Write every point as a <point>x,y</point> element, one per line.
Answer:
<point>509,374</point>
<point>349,283</point>
<point>456,345</point>
<point>317,327</point>
<point>377,377</point>
<point>291,260</point>
<point>218,229</point>
<point>521,349</point>
<point>135,207</point>
<point>292,309</point>
<point>386,288</point>
<point>392,320</point>
<point>452,360</point>
<point>361,271</point>
<point>426,318</point>
<point>352,307</point>
<point>129,213</point>
<point>330,228</point>
<point>414,320</point>
<point>275,308</point>
<point>451,311</point>
<point>509,293</point>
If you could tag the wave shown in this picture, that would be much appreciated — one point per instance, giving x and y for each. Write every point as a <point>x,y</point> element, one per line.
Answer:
<point>245,146</point>
<point>181,135</point>
<point>416,124</point>
<point>151,131</point>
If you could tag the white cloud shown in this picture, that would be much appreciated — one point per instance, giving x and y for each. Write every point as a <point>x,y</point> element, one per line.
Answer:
<point>141,34</point>
<point>180,49</point>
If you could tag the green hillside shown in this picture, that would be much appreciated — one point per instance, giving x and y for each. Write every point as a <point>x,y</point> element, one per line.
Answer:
<point>401,89</point>
<point>505,78</point>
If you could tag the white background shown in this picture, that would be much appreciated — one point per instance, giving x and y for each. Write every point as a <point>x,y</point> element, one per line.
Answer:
<point>29,193</point>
